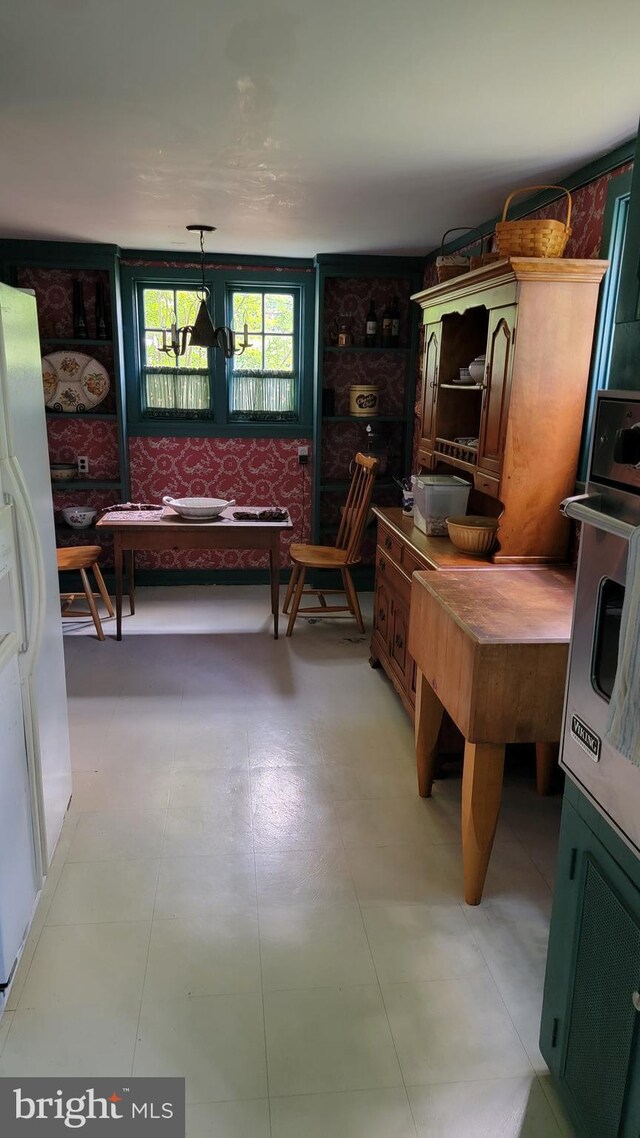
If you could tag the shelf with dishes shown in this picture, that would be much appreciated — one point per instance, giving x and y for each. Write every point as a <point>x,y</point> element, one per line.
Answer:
<point>458,452</point>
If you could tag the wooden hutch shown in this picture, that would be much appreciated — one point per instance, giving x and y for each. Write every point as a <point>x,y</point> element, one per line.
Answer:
<point>534,318</point>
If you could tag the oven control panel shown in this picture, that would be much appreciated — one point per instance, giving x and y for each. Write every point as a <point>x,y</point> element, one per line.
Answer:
<point>615,458</point>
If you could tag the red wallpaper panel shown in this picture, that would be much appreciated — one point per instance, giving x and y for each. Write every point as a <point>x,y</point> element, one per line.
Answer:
<point>253,471</point>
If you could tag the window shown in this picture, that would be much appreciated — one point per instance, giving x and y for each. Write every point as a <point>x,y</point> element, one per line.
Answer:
<point>172,388</point>
<point>266,391</point>
<point>263,380</point>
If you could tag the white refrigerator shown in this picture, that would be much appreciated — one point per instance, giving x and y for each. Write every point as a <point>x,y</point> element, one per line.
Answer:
<point>35,767</point>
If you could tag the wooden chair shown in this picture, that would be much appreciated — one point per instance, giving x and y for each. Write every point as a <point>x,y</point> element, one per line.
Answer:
<point>342,556</point>
<point>83,557</point>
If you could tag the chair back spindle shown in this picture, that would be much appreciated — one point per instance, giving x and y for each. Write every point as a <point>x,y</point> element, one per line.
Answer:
<point>356,508</point>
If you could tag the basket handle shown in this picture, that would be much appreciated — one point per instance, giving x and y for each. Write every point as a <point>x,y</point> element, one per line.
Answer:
<point>460,229</point>
<point>528,189</point>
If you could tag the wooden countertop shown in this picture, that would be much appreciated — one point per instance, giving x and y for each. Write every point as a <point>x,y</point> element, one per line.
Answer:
<point>438,551</point>
<point>506,607</point>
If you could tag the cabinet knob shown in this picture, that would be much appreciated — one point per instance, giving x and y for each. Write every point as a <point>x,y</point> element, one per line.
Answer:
<point>387,543</point>
<point>635,1000</point>
<point>382,564</point>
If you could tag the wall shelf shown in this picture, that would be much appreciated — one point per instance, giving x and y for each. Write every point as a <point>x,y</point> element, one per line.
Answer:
<point>74,341</point>
<point>363,348</point>
<point>71,416</point>
<point>77,484</point>
<point>461,386</point>
<point>363,419</point>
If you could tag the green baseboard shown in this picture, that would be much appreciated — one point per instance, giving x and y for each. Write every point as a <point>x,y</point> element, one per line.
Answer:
<point>70,582</point>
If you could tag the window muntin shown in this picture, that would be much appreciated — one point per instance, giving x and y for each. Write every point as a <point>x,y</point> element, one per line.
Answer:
<point>172,388</point>
<point>263,382</point>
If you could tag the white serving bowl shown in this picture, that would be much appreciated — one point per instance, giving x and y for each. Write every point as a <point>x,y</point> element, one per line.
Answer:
<point>79,517</point>
<point>197,508</point>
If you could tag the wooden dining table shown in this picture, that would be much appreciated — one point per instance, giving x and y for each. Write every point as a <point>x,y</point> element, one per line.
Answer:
<point>158,532</point>
<point>491,649</point>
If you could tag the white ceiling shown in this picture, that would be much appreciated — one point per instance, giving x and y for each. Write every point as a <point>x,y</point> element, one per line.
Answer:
<point>300,126</point>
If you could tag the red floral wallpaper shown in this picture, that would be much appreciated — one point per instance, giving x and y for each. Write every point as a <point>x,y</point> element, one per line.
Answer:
<point>253,471</point>
<point>96,439</point>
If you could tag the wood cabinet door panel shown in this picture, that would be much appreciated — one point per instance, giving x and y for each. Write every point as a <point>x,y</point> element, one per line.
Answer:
<point>399,637</point>
<point>495,410</point>
<point>432,342</point>
<point>381,611</point>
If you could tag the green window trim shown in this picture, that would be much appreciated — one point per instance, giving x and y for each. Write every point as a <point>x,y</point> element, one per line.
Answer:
<point>614,228</point>
<point>219,421</point>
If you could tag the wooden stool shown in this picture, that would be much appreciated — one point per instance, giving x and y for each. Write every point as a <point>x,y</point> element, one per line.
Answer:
<point>83,557</point>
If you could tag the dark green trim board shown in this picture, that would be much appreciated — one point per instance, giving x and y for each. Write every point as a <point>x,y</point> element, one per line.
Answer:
<point>614,229</point>
<point>219,282</point>
<point>574,181</point>
<point>363,577</point>
<point>228,260</point>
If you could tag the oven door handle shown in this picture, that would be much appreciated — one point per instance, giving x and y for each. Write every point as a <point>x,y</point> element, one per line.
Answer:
<point>579,510</point>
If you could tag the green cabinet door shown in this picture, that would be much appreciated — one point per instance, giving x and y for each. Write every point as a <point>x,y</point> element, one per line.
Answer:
<point>591,1014</point>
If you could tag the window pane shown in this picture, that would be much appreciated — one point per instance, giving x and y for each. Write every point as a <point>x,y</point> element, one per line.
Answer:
<point>278,353</point>
<point>153,357</point>
<point>278,312</point>
<point>193,358</point>
<point>251,358</point>
<point>158,307</point>
<point>187,304</point>
<point>247,309</point>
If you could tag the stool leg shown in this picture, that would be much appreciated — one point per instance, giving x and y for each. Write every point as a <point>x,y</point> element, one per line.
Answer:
<point>93,608</point>
<point>546,765</point>
<point>102,587</point>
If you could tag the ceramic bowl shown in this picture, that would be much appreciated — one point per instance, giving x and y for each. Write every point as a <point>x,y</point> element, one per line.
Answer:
<point>63,471</point>
<point>197,509</point>
<point>79,517</point>
<point>472,534</point>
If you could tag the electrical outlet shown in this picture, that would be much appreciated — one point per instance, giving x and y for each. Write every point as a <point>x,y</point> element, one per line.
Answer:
<point>303,456</point>
<point>83,464</point>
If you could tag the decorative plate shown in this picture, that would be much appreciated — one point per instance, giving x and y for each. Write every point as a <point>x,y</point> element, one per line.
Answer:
<point>73,381</point>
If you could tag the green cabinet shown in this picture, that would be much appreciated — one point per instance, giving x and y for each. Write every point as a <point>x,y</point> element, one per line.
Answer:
<point>591,1012</point>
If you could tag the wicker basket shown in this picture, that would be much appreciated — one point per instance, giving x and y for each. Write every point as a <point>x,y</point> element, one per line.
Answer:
<point>531,237</point>
<point>446,271</point>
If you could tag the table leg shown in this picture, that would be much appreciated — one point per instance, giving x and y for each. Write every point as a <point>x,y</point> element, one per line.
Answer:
<point>546,765</point>
<point>481,795</point>
<point>274,572</point>
<point>131,579</point>
<point>429,712</point>
<point>117,554</point>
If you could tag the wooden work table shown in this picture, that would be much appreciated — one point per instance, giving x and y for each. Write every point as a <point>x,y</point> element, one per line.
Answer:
<point>491,649</point>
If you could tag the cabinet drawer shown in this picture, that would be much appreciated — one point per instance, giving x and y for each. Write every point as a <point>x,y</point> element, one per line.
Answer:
<point>487,483</point>
<point>387,571</point>
<point>391,545</point>
<point>410,562</point>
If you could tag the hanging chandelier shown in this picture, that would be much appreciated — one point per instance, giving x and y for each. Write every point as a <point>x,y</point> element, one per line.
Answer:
<point>203,333</point>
